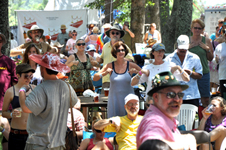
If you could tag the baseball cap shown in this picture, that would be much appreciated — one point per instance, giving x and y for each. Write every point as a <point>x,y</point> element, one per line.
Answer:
<point>90,47</point>
<point>183,42</point>
<point>24,68</point>
<point>158,46</point>
<point>131,97</point>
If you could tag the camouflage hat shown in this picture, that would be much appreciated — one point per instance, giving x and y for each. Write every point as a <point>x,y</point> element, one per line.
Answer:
<point>163,80</point>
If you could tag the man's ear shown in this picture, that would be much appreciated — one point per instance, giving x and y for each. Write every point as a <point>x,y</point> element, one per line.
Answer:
<point>155,97</point>
<point>18,76</point>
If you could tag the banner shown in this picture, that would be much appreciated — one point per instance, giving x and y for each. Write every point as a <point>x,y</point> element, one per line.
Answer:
<point>50,22</point>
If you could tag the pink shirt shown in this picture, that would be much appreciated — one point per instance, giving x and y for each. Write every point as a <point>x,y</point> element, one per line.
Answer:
<point>156,125</point>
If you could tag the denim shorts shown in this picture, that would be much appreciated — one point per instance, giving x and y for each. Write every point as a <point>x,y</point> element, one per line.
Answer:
<point>204,85</point>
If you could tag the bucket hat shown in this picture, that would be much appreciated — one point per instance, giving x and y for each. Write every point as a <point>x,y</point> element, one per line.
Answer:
<point>115,27</point>
<point>63,26</point>
<point>163,80</point>
<point>34,27</point>
<point>24,68</point>
<point>50,61</point>
<point>90,47</point>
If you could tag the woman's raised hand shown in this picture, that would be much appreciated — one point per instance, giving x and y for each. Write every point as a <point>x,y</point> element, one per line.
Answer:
<point>75,62</point>
<point>109,70</point>
<point>206,115</point>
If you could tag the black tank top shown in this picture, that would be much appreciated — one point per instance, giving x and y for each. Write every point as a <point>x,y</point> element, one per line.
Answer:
<point>15,102</point>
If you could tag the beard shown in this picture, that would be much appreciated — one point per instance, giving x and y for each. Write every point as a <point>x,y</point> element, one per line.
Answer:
<point>133,114</point>
<point>37,38</point>
<point>115,39</point>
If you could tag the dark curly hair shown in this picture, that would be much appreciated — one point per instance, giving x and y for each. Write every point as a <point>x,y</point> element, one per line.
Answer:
<point>116,46</point>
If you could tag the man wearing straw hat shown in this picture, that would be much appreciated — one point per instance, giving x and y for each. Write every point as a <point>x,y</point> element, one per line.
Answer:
<point>47,105</point>
<point>35,33</point>
<point>63,37</point>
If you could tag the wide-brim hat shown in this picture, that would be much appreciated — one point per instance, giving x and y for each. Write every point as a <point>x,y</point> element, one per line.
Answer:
<point>115,27</point>
<point>57,44</point>
<point>163,80</point>
<point>50,61</point>
<point>90,47</point>
<point>34,27</point>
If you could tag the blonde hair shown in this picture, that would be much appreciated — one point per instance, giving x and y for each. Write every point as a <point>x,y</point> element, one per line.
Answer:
<point>222,104</point>
<point>199,21</point>
<point>95,30</point>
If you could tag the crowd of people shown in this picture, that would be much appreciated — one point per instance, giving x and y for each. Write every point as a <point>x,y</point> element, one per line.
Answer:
<point>35,95</point>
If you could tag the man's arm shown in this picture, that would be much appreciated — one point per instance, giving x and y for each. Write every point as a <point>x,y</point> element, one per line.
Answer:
<point>17,50</point>
<point>130,32</point>
<point>22,98</point>
<point>101,124</point>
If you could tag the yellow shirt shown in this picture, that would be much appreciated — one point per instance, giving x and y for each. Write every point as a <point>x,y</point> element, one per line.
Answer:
<point>108,58</point>
<point>126,137</point>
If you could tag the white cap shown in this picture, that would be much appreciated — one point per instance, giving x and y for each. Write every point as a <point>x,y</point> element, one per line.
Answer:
<point>183,42</point>
<point>131,97</point>
<point>107,25</point>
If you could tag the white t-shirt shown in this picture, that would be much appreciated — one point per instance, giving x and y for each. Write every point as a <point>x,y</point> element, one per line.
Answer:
<point>220,51</point>
<point>71,46</point>
<point>14,44</point>
<point>153,70</point>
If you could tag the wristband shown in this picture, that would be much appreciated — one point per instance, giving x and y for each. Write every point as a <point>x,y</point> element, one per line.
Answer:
<point>140,73</point>
<point>11,115</point>
<point>101,75</point>
<point>3,130</point>
<point>182,72</point>
<point>22,89</point>
<point>190,73</point>
<point>137,76</point>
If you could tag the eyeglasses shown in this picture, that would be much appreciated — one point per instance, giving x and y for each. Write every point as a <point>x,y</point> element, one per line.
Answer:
<point>83,44</point>
<point>113,33</point>
<point>26,76</point>
<point>74,34</point>
<point>98,131</point>
<point>120,50</point>
<point>132,104</point>
<point>173,94</point>
<point>197,28</point>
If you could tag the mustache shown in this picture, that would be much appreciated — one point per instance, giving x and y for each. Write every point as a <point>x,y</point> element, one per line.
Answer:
<point>174,103</point>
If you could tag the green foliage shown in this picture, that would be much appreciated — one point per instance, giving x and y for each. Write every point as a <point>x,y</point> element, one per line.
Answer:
<point>23,5</point>
<point>97,4</point>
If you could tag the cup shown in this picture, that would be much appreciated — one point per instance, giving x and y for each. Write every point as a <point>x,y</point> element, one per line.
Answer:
<point>214,90</point>
<point>210,109</point>
<point>19,112</point>
<point>96,98</point>
<point>106,91</point>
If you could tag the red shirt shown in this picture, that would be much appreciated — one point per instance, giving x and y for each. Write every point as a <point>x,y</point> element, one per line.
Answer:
<point>107,142</point>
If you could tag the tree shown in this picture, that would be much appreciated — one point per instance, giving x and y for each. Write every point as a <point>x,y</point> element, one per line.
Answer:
<point>177,23</point>
<point>137,21</point>
<point>108,11</point>
<point>4,25</point>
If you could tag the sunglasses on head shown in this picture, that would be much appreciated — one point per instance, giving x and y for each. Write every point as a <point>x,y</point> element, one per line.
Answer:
<point>113,33</point>
<point>26,76</point>
<point>197,28</point>
<point>83,44</point>
<point>173,94</point>
<point>120,50</point>
<point>98,131</point>
<point>74,34</point>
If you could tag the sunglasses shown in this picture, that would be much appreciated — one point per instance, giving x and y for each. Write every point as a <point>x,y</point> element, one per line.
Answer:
<point>83,44</point>
<point>74,34</point>
<point>197,28</point>
<point>132,104</point>
<point>173,95</point>
<point>98,131</point>
<point>113,33</point>
<point>120,50</point>
<point>34,32</point>
<point>26,76</point>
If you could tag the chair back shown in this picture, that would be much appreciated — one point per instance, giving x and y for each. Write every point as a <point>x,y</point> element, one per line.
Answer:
<point>90,135</point>
<point>187,115</point>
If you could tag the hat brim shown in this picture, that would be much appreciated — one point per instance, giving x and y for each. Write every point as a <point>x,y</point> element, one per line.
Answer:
<point>154,90</point>
<point>59,68</point>
<point>113,28</point>
<point>29,31</point>
<point>28,70</point>
<point>183,47</point>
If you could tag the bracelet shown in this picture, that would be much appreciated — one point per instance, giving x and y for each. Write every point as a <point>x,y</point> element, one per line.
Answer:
<point>11,115</point>
<point>182,72</point>
<point>101,75</point>
<point>190,73</point>
<point>22,89</point>
<point>140,73</point>
<point>3,130</point>
<point>137,76</point>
